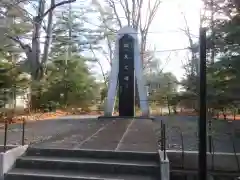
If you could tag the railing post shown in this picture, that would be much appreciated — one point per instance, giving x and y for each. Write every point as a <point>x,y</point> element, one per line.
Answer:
<point>164,141</point>
<point>210,134</point>
<point>23,132</point>
<point>162,135</point>
<point>164,162</point>
<point>202,158</point>
<point>5,134</point>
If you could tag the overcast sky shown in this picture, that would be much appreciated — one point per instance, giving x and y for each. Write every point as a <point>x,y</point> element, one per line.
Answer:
<point>169,22</point>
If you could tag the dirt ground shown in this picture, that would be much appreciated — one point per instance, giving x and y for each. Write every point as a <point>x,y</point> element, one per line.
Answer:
<point>42,116</point>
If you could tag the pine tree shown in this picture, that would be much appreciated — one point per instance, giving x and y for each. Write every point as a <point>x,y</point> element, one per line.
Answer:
<point>71,80</point>
<point>223,45</point>
<point>13,80</point>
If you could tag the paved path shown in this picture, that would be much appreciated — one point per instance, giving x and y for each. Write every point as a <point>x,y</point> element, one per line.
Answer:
<point>109,137</point>
<point>138,135</point>
<point>118,135</point>
<point>71,131</point>
<point>79,132</point>
<point>39,131</point>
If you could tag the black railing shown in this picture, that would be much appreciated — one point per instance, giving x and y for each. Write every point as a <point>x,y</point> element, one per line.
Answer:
<point>23,131</point>
<point>182,171</point>
<point>5,134</point>
<point>6,125</point>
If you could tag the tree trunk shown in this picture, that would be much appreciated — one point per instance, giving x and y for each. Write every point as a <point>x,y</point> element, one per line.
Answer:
<point>234,115</point>
<point>174,110</point>
<point>169,109</point>
<point>224,114</point>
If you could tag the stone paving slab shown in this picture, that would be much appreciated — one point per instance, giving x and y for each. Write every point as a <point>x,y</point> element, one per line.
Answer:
<point>124,135</point>
<point>109,137</point>
<point>121,135</point>
<point>49,131</point>
<point>139,136</point>
<point>76,136</point>
<point>109,134</point>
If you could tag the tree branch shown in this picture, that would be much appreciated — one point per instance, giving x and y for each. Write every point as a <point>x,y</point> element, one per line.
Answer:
<point>151,12</point>
<point>126,10</point>
<point>138,14</point>
<point>17,40</point>
<point>166,62</point>
<point>49,33</point>
<point>101,67</point>
<point>188,34</point>
<point>105,55</point>
<point>133,13</point>
<point>112,5</point>
<point>57,5</point>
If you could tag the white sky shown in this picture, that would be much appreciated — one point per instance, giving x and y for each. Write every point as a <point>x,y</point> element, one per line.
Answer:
<point>169,20</point>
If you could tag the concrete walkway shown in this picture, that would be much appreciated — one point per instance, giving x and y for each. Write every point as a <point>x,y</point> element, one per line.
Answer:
<point>139,136</point>
<point>115,135</point>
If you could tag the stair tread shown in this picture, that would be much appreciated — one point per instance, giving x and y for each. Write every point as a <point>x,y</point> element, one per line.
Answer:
<point>78,153</point>
<point>76,175</point>
<point>92,151</point>
<point>91,160</point>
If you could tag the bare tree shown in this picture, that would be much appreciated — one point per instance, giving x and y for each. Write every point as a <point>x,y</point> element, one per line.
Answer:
<point>33,51</point>
<point>100,65</point>
<point>187,32</point>
<point>193,47</point>
<point>136,14</point>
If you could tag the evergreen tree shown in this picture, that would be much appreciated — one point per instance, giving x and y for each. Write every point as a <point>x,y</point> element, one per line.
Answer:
<point>223,57</point>
<point>71,82</point>
<point>13,81</point>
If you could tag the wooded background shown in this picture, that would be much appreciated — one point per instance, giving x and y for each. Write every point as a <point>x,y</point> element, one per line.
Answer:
<point>45,47</point>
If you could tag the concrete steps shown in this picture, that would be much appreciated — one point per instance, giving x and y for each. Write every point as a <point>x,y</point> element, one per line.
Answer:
<point>20,174</point>
<point>58,164</point>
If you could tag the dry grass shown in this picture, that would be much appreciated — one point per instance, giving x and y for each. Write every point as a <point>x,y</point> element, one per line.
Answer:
<point>13,116</point>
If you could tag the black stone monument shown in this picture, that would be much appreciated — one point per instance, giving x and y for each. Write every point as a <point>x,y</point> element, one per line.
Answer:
<point>126,77</point>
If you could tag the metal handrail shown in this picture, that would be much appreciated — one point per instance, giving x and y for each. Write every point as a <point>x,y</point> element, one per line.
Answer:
<point>23,131</point>
<point>6,124</point>
<point>5,134</point>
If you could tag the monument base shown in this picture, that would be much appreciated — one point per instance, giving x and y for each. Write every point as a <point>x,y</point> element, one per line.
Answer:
<point>126,117</point>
